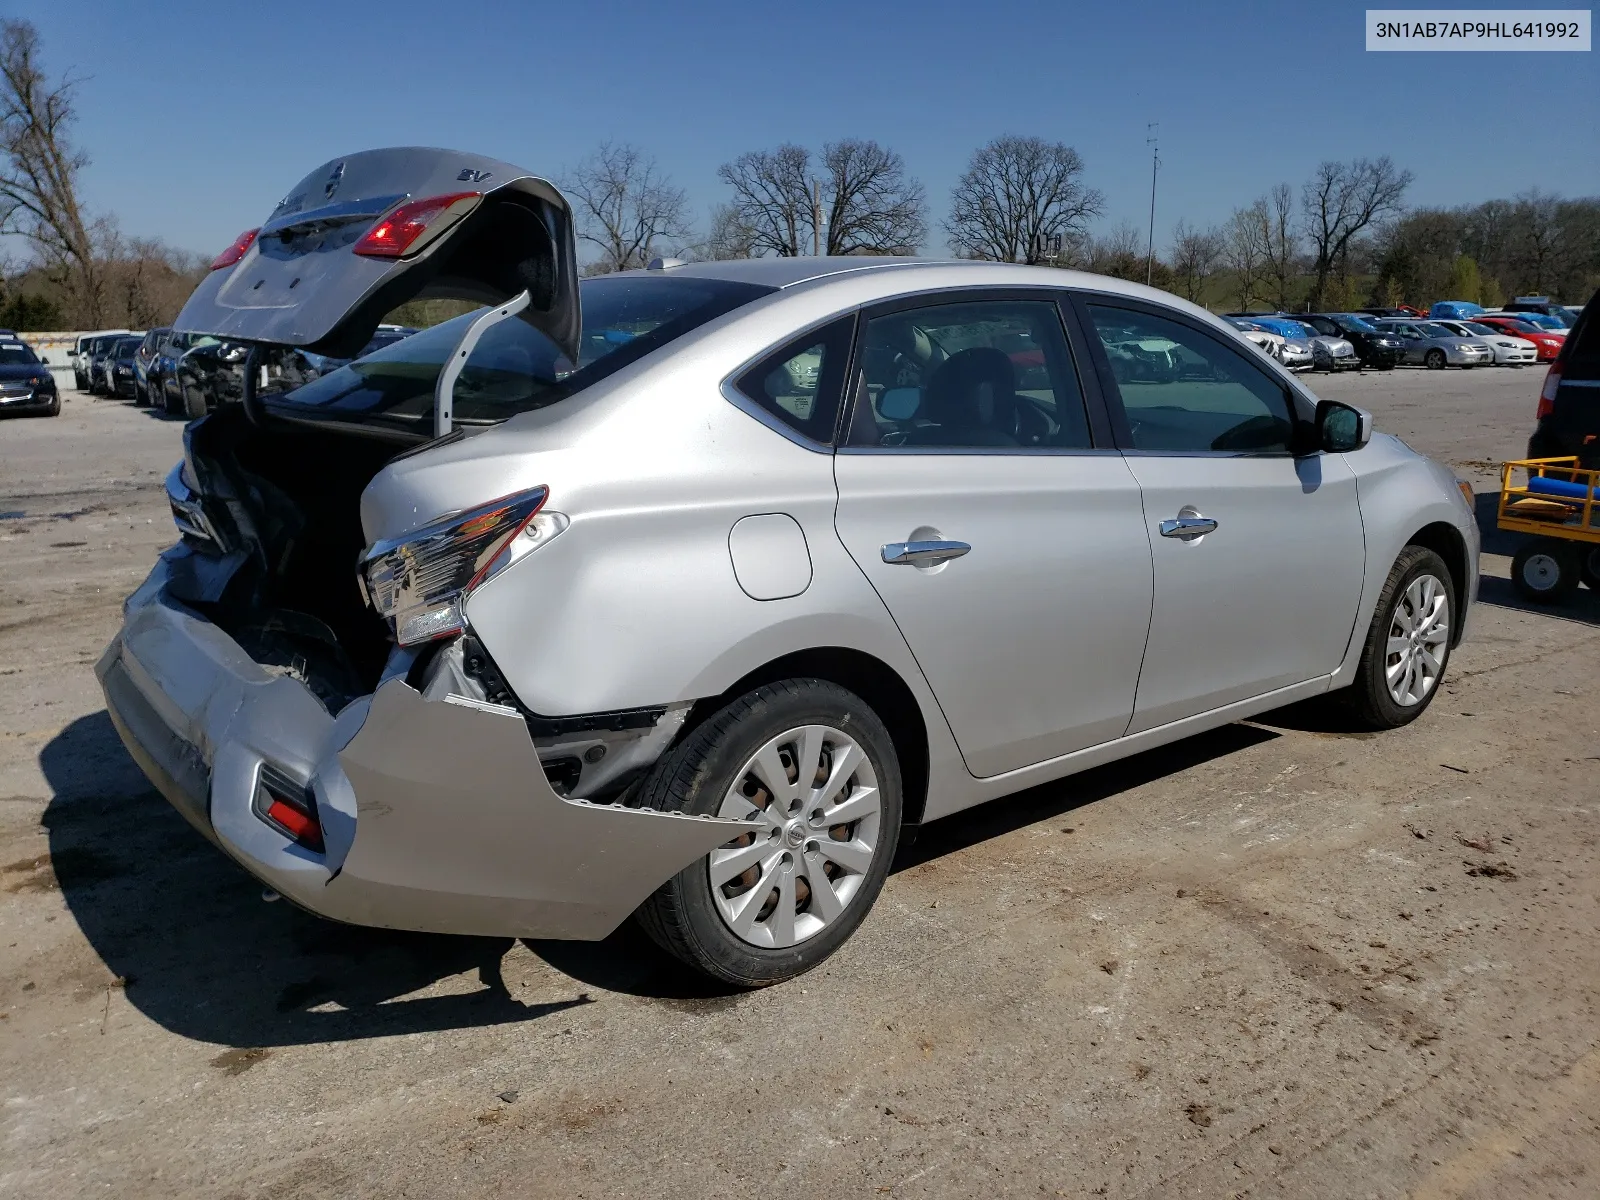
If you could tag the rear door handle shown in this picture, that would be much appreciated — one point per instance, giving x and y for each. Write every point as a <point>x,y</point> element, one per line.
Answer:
<point>922,553</point>
<point>1187,527</point>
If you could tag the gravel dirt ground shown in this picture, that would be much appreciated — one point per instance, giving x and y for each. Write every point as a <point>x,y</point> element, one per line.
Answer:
<point>1277,960</point>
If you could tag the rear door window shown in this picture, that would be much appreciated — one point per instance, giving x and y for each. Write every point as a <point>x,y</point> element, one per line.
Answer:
<point>984,374</point>
<point>1186,391</point>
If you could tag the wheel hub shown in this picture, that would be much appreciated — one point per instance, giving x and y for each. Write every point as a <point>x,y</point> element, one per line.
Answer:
<point>1419,635</point>
<point>814,791</point>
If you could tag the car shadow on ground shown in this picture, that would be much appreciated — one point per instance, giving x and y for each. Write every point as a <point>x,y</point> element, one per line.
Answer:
<point>202,956</point>
<point>1581,606</point>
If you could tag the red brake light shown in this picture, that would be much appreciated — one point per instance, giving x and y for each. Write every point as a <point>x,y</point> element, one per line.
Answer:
<point>396,233</point>
<point>235,250</point>
<point>1547,394</point>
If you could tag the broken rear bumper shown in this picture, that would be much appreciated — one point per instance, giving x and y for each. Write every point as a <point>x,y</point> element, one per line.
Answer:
<point>435,816</point>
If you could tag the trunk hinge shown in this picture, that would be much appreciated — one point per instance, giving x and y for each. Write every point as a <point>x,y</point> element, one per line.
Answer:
<point>444,390</point>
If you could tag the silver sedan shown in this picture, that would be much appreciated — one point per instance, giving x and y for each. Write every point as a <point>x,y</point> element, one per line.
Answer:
<point>688,592</point>
<point>1430,344</point>
<point>1508,350</point>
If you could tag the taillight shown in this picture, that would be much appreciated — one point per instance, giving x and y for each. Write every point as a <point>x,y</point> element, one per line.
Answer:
<point>292,809</point>
<point>402,231</point>
<point>235,250</point>
<point>420,581</point>
<point>1547,394</point>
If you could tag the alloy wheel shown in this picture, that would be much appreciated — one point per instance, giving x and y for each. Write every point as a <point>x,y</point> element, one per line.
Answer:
<point>1419,632</point>
<point>816,795</point>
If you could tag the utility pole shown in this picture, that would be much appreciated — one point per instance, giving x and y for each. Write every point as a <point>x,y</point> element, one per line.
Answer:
<point>1155,162</point>
<point>816,217</point>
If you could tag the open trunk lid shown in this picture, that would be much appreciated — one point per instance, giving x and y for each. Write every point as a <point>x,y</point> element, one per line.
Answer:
<point>342,249</point>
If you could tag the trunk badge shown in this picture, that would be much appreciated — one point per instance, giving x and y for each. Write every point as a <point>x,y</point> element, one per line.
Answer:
<point>332,186</point>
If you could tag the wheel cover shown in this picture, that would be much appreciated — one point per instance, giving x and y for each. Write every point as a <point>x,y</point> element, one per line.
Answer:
<point>1541,572</point>
<point>815,792</point>
<point>1419,637</point>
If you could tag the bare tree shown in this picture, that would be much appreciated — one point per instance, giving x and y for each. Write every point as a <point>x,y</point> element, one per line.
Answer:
<point>1021,199</point>
<point>1244,249</point>
<point>626,206</point>
<point>1339,201</point>
<point>873,206</point>
<point>1282,243</point>
<point>1537,234</point>
<point>772,198</point>
<point>39,174</point>
<point>1195,255</point>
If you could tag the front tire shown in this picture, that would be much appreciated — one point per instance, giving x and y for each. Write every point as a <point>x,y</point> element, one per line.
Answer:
<point>813,766</point>
<point>1434,360</point>
<point>194,402</point>
<point>1407,648</point>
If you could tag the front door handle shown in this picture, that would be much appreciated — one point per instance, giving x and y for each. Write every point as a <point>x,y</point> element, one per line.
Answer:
<point>1187,527</point>
<point>922,553</point>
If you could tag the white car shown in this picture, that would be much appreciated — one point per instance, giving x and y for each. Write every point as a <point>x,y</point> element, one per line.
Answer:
<point>1509,351</point>
<point>1293,353</point>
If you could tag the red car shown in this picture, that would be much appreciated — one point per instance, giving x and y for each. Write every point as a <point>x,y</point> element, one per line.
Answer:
<point>1549,344</point>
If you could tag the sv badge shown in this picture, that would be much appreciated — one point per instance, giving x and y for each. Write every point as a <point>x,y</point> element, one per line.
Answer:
<point>468,175</point>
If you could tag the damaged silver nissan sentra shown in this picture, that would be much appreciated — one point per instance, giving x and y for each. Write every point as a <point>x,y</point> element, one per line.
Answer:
<point>686,591</point>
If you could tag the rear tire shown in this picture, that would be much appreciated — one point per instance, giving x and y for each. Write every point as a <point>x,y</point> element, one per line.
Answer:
<point>1590,567</point>
<point>1546,571</point>
<point>1407,648</point>
<point>741,930</point>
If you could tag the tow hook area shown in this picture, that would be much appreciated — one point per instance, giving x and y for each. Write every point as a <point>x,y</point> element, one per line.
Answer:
<point>459,831</point>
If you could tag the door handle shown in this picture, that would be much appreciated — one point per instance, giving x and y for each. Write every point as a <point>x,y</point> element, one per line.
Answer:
<point>1187,527</point>
<point>922,553</point>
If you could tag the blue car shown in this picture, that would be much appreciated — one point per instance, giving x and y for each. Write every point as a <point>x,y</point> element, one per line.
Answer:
<point>1455,310</point>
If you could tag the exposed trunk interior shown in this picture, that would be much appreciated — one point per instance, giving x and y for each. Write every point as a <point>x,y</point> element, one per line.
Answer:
<point>287,501</point>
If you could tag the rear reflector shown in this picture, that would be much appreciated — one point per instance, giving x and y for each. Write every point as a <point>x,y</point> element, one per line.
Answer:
<point>235,251</point>
<point>292,809</point>
<point>401,231</point>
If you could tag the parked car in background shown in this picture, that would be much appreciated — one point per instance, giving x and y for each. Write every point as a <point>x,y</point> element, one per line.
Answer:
<point>84,350</point>
<point>1544,306</point>
<point>548,700</point>
<point>1459,310</point>
<point>1548,343</point>
<point>299,367</point>
<point>1375,348</point>
<point>1295,351</point>
<point>1539,320</point>
<point>1508,350</point>
<point>1328,352</point>
<point>1264,340</point>
<point>1568,416</point>
<point>1434,346</point>
<point>26,385</point>
<point>208,373</point>
<point>120,379</point>
<point>149,346</point>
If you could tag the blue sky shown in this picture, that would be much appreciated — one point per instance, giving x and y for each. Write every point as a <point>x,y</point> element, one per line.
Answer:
<point>198,116</point>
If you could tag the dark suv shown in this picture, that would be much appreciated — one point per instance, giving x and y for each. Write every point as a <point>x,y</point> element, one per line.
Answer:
<point>1569,402</point>
<point>1374,347</point>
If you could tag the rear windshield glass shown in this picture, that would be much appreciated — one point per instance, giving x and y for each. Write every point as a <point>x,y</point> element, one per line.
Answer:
<point>514,368</point>
<point>1354,324</point>
<point>15,354</point>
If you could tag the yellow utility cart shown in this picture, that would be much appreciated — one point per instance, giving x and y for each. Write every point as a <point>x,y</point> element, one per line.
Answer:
<point>1559,504</point>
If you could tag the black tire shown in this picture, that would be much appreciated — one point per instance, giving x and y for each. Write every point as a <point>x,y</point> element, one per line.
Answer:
<point>168,404</point>
<point>1434,360</point>
<point>682,916</point>
<point>1546,571</point>
<point>1368,698</point>
<point>194,402</point>
<point>141,396</point>
<point>55,407</point>
<point>1589,567</point>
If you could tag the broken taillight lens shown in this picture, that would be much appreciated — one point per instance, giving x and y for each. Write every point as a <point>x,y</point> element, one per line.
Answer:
<point>236,250</point>
<point>401,231</point>
<point>420,581</point>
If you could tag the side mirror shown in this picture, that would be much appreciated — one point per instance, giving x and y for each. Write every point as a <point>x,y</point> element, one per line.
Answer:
<point>1342,428</point>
